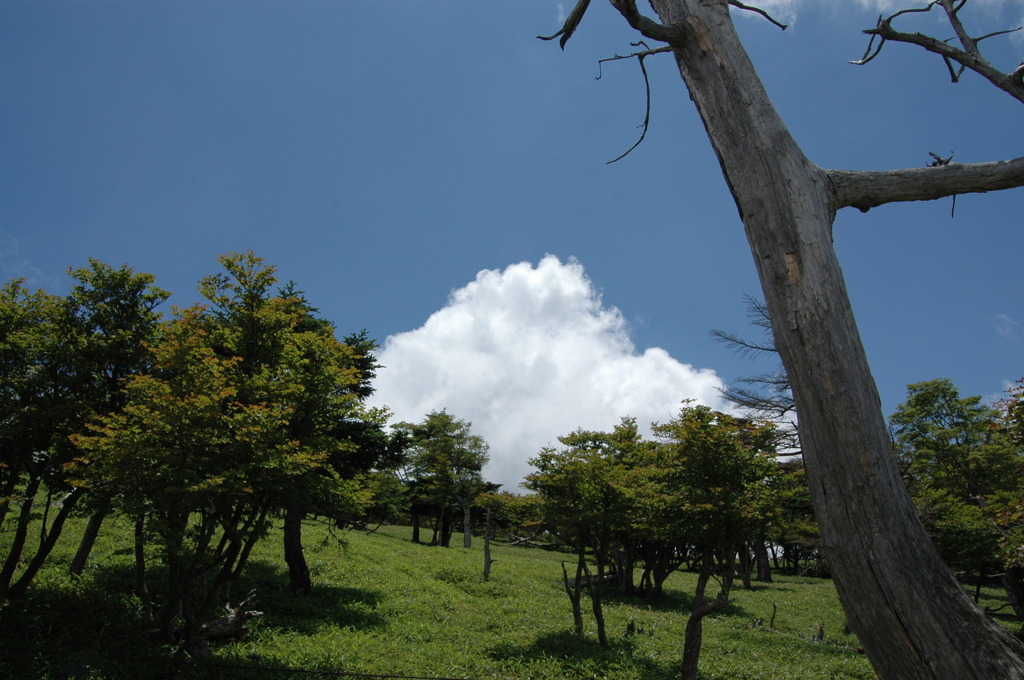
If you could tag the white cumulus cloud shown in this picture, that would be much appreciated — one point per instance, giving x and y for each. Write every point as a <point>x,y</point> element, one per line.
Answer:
<point>530,353</point>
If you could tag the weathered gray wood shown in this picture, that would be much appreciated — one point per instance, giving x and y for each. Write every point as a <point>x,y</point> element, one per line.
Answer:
<point>912,616</point>
<point>865,190</point>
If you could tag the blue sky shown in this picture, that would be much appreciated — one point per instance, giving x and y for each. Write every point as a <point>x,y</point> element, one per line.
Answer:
<point>383,155</point>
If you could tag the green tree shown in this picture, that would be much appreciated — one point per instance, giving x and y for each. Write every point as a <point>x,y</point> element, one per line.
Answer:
<point>793,529</point>
<point>288,355</point>
<point>34,407</point>
<point>960,466</point>
<point>203,467</point>
<point>115,311</point>
<point>65,359</point>
<point>583,502</point>
<point>445,464</point>
<point>1008,509</point>
<point>765,397</point>
<point>952,443</point>
<point>508,511</point>
<point>714,483</point>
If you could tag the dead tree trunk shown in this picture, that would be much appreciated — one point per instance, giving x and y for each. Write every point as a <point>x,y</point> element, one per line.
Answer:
<point>912,616</point>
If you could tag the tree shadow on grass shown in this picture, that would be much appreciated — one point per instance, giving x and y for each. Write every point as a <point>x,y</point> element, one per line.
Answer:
<point>671,600</point>
<point>97,627</point>
<point>328,605</point>
<point>581,657</point>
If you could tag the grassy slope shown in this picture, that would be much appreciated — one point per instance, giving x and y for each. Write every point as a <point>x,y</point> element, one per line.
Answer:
<point>386,606</point>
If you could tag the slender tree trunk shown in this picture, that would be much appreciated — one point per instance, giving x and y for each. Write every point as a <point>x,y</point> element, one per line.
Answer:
<point>746,566</point>
<point>438,524</point>
<point>625,565</point>
<point>467,525</point>
<point>764,566</point>
<point>487,544</point>
<point>596,587</point>
<point>574,589</point>
<point>176,594</point>
<point>85,545</point>
<point>298,571</point>
<point>11,477</point>
<point>415,527</point>
<point>693,638</point>
<point>141,589</point>
<point>46,544</point>
<point>446,529</point>
<point>17,544</point>
<point>912,616</point>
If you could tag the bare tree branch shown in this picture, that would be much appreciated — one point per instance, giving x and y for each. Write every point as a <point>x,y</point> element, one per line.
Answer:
<point>571,22</point>
<point>868,189</point>
<point>640,56</point>
<point>957,59</point>
<point>758,10</point>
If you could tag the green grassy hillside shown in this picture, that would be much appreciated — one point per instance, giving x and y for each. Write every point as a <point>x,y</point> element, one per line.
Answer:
<point>385,606</point>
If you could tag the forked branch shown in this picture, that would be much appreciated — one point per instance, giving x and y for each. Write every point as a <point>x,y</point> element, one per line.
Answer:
<point>673,35</point>
<point>957,59</point>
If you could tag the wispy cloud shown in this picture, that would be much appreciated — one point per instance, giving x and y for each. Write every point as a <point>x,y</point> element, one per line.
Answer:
<point>561,13</point>
<point>530,353</point>
<point>1006,326</point>
<point>14,265</point>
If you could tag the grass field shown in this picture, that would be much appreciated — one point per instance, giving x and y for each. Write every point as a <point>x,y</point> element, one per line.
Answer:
<point>384,606</point>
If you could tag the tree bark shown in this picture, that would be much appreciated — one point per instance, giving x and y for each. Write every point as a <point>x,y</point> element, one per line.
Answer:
<point>596,587</point>
<point>574,589</point>
<point>85,545</point>
<point>912,616</point>
<point>17,544</point>
<point>764,565</point>
<point>746,566</point>
<point>298,571</point>
<point>693,638</point>
<point>467,524</point>
<point>487,545</point>
<point>46,544</point>
<point>446,528</point>
<point>865,190</point>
